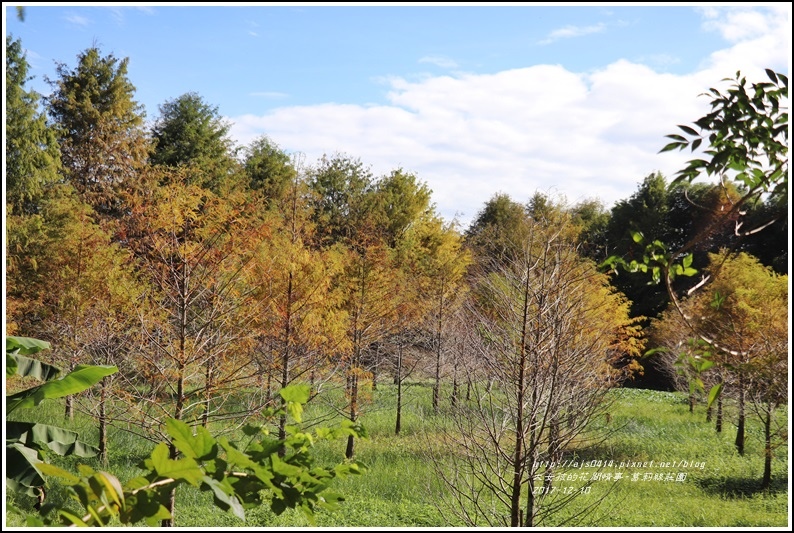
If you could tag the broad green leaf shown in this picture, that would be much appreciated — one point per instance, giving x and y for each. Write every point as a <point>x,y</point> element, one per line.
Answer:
<point>637,236</point>
<point>53,471</point>
<point>714,393</point>
<point>295,411</point>
<point>184,469</point>
<point>654,351</point>
<point>687,261</point>
<point>22,469</point>
<point>224,497</point>
<point>25,345</point>
<point>235,456</point>
<point>72,518</point>
<point>112,486</point>
<point>28,367</point>
<point>83,377</point>
<point>200,447</point>
<point>282,468</point>
<point>61,441</point>
<point>296,393</point>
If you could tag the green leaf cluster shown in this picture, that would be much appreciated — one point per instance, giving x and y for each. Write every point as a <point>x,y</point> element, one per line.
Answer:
<point>28,442</point>
<point>240,475</point>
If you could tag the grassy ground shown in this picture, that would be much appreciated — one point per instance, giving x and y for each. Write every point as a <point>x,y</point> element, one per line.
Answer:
<point>720,488</point>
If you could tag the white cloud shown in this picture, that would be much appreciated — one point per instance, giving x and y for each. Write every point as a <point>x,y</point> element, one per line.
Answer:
<point>78,20</point>
<point>539,128</point>
<point>567,32</point>
<point>737,23</point>
<point>439,61</point>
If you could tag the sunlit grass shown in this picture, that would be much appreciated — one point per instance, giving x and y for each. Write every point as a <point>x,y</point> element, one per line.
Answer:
<point>400,485</point>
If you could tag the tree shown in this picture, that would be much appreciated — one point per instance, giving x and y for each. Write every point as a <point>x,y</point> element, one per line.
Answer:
<point>269,169</point>
<point>498,227</point>
<point>645,213</point>
<point>747,139</point>
<point>592,219</point>
<point>100,128</point>
<point>441,262</point>
<point>301,313</point>
<point>548,327</point>
<point>339,209</point>
<point>744,308</point>
<point>32,157</point>
<point>195,252</point>
<point>746,135</point>
<point>70,282</point>
<point>189,131</point>
<point>401,201</point>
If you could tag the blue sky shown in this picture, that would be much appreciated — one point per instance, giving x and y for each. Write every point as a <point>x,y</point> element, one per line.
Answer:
<point>570,100</point>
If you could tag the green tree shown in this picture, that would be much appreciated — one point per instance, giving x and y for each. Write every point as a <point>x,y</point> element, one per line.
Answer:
<point>32,157</point>
<point>592,219</point>
<point>340,207</point>
<point>100,128</point>
<point>498,227</point>
<point>645,213</point>
<point>189,131</point>
<point>401,200</point>
<point>745,140</point>
<point>269,169</point>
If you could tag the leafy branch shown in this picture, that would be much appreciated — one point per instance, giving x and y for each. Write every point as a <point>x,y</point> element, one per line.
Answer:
<point>240,476</point>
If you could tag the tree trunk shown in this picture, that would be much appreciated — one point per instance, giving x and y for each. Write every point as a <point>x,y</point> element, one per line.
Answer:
<point>740,426</point>
<point>718,425</point>
<point>766,481</point>
<point>103,440</point>
<point>349,450</point>
<point>399,381</point>
<point>439,324</point>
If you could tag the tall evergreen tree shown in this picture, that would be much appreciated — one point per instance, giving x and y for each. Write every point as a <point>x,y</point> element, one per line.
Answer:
<point>269,169</point>
<point>100,127</point>
<point>191,132</point>
<point>32,156</point>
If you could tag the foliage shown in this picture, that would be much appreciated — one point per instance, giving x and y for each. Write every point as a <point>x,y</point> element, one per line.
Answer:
<point>240,474</point>
<point>28,442</point>
<point>191,132</point>
<point>268,168</point>
<point>32,159</point>
<point>100,128</point>
<point>747,146</point>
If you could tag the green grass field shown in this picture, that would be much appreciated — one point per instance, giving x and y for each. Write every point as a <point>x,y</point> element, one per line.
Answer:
<point>400,489</point>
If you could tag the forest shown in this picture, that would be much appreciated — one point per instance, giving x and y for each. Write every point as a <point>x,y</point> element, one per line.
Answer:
<point>239,311</point>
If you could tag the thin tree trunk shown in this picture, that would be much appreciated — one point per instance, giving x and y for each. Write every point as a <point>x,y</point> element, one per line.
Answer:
<point>718,425</point>
<point>740,426</point>
<point>350,450</point>
<point>398,379</point>
<point>103,441</point>
<point>519,452</point>
<point>766,481</point>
